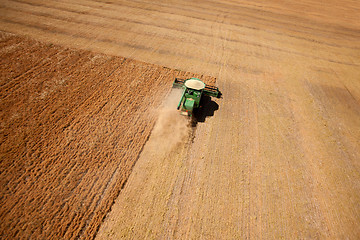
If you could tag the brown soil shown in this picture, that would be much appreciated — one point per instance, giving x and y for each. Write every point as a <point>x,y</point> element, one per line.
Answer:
<point>72,126</point>
<point>279,159</point>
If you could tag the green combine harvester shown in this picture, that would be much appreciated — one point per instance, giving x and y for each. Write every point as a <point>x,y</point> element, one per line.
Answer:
<point>193,89</point>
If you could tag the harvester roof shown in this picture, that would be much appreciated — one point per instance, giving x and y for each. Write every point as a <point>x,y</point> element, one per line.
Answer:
<point>194,83</point>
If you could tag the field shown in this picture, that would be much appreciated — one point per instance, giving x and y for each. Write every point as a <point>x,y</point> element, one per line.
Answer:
<point>73,125</point>
<point>278,159</point>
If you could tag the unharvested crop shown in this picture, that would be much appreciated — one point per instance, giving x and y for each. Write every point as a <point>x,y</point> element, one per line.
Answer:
<point>73,124</point>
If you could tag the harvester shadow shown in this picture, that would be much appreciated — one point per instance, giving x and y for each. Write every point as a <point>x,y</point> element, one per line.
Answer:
<point>207,109</point>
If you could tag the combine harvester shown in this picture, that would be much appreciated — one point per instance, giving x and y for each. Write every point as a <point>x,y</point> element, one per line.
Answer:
<point>193,89</point>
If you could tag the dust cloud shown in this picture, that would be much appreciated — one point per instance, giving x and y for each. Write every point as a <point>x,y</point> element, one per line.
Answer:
<point>171,129</point>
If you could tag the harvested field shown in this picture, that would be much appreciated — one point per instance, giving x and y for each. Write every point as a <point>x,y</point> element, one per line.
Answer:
<point>72,126</point>
<point>279,159</point>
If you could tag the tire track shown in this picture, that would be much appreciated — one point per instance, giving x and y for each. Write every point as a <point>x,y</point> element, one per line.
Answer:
<point>164,52</point>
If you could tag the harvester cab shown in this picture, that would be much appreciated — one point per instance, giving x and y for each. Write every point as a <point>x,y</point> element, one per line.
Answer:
<point>193,89</point>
